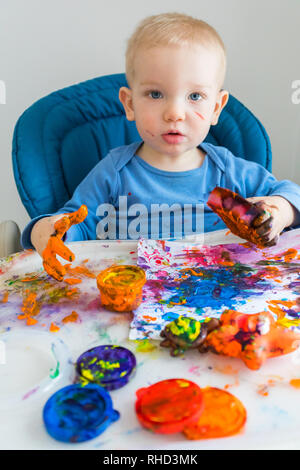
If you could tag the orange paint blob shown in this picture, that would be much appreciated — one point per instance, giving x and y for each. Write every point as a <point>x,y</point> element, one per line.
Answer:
<point>54,328</point>
<point>148,318</point>
<point>263,390</point>
<point>295,383</point>
<point>274,306</point>
<point>73,317</point>
<point>30,308</point>
<point>72,281</point>
<point>28,279</point>
<point>5,297</point>
<point>80,270</point>
<point>223,415</point>
<point>72,292</point>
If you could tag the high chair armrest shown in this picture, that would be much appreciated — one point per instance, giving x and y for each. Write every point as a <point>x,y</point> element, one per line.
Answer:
<point>9,238</point>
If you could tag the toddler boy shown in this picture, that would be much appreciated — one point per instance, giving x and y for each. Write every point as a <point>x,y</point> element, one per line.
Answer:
<point>156,188</point>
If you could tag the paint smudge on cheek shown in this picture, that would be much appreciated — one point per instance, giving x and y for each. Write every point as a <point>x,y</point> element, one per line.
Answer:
<point>150,133</point>
<point>200,116</point>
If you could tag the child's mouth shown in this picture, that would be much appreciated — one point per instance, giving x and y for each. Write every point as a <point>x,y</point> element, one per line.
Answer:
<point>173,137</point>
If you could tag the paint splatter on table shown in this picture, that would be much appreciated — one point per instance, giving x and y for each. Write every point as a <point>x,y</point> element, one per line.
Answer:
<point>30,296</point>
<point>270,395</point>
<point>203,281</point>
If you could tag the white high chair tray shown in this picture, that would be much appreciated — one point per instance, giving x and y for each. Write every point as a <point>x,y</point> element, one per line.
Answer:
<point>35,362</point>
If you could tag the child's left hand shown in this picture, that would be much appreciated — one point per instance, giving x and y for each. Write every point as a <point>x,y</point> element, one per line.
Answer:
<point>276,214</point>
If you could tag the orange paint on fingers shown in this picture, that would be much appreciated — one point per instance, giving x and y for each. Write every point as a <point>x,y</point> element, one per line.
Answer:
<point>54,269</point>
<point>55,245</point>
<point>61,226</point>
<point>78,216</point>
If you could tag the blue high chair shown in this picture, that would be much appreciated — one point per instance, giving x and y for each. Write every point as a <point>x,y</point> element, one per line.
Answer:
<point>62,136</point>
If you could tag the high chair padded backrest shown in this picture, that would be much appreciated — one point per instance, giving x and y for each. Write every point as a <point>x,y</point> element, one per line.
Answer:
<point>62,136</point>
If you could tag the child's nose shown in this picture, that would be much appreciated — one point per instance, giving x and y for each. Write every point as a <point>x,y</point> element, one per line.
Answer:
<point>174,111</point>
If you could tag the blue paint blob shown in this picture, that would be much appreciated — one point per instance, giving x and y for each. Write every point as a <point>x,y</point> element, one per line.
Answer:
<point>218,286</point>
<point>78,413</point>
<point>170,316</point>
<point>108,365</point>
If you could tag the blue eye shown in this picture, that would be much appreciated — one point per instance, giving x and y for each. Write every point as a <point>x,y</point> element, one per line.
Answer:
<point>155,94</point>
<point>195,96</point>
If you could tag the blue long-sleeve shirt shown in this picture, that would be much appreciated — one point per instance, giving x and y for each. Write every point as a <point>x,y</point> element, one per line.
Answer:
<point>128,198</point>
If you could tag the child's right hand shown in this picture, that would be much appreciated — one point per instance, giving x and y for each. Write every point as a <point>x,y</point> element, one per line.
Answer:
<point>46,237</point>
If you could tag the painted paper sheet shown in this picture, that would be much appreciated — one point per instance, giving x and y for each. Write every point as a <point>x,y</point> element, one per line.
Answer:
<point>203,281</point>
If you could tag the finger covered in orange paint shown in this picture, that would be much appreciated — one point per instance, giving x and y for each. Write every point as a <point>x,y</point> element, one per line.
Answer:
<point>55,245</point>
<point>223,415</point>
<point>69,219</point>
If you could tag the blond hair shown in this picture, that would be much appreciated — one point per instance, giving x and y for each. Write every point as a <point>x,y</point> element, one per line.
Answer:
<point>172,29</point>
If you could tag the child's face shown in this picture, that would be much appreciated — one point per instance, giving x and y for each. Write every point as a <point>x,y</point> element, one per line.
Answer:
<point>175,89</point>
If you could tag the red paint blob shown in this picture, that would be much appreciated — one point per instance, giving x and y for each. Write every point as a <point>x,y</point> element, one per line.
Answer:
<point>168,406</point>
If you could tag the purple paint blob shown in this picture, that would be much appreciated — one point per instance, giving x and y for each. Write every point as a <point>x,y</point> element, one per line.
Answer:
<point>108,365</point>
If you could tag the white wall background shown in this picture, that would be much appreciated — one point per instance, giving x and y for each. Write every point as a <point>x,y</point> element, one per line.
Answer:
<point>50,44</point>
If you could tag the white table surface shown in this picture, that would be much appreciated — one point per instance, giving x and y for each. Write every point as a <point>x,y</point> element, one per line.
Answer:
<point>273,420</point>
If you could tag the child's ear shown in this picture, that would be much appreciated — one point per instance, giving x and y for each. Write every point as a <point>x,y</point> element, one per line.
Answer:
<point>125,96</point>
<point>221,102</point>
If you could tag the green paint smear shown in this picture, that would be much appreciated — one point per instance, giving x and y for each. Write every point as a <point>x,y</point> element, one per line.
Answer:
<point>55,372</point>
